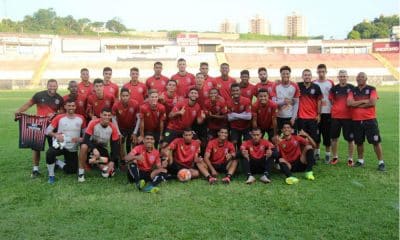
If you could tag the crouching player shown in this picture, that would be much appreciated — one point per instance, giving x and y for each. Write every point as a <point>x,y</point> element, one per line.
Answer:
<point>66,130</point>
<point>184,153</point>
<point>95,142</point>
<point>144,165</point>
<point>296,154</point>
<point>219,157</point>
<point>257,157</point>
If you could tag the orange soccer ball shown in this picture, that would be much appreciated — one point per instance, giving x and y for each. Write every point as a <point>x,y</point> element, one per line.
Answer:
<point>184,175</point>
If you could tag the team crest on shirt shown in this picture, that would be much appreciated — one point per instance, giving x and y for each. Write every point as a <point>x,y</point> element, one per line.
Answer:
<point>82,91</point>
<point>107,103</point>
<point>241,107</point>
<point>209,84</point>
<point>140,89</point>
<point>226,151</point>
<point>215,150</point>
<point>312,91</point>
<point>162,83</point>
<point>217,108</point>
<point>112,90</point>
<point>348,90</point>
<point>147,114</point>
<point>219,85</point>
<point>284,145</point>
<point>120,111</point>
<point>367,91</point>
<point>188,81</point>
<point>194,113</point>
<point>249,92</point>
<point>152,84</point>
<point>251,149</point>
<point>57,101</point>
<point>152,158</point>
<point>96,103</point>
<point>262,147</point>
<point>192,148</point>
<point>295,143</point>
<point>131,110</point>
<point>80,103</point>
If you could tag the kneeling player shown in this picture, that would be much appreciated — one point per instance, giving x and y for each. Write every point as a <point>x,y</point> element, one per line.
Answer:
<point>144,164</point>
<point>219,157</point>
<point>257,157</point>
<point>97,136</point>
<point>296,154</point>
<point>184,153</point>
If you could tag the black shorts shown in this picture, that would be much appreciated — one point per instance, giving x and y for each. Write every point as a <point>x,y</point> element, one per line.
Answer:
<point>221,168</point>
<point>281,121</point>
<point>257,166</point>
<point>174,168</point>
<point>170,135</point>
<point>310,126</point>
<point>212,133</point>
<point>142,175</point>
<point>126,133</point>
<point>237,135</point>
<point>71,159</point>
<point>298,166</point>
<point>201,131</point>
<point>338,124</point>
<point>324,128</point>
<point>269,131</point>
<point>366,129</point>
<point>102,150</point>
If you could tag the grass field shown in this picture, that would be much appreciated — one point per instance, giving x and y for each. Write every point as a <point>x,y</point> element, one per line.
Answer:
<point>342,203</point>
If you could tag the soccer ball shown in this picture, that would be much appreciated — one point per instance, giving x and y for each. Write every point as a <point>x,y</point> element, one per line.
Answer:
<point>57,144</point>
<point>184,175</point>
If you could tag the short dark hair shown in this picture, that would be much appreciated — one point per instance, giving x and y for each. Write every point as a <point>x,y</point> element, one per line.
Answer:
<point>224,64</point>
<point>84,70</point>
<point>135,69</point>
<point>256,129</point>
<point>305,70</point>
<point>157,63</point>
<point>69,100</point>
<point>245,72</point>
<point>181,60</point>
<point>204,64</point>
<point>323,66</point>
<point>225,128</point>
<point>172,80</point>
<point>52,80</point>
<point>188,129</point>
<point>283,68</point>
<point>124,90</point>
<point>262,90</point>
<point>151,91</point>
<point>199,73</point>
<point>149,134</point>
<point>106,109</point>
<point>235,85</point>
<point>286,123</point>
<point>262,69</point>
<point>106,69</point>
<point>98,80</point>
<point>193,89</point>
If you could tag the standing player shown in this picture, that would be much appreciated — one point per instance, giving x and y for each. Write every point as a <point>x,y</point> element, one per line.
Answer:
<point>257,157</point>
<point>224,82</point>
<point>99,133</point>
<point>219,157</point>
<point>264,83</point>
<point>209,81</point>
<point>110,88</point>
<point>85,87</point>
<point>48,103</point>
<point>80,99</point>
<point>296,154</point>
<point>247,89</point>
<point>325,122</point>
<point>99,100</point>
<point>286,94</point>
<point>66,128</point>
<point>183,78</point>
<point>152,117</point>
<point>184,153</point>
<point>341,117</point>
<point>239,116</point>
<point>157,81</point>
<point>309,105</point>
<point>264,114</point>
<point>363,99</point>
<point>215,110</point>
<point>137,89</point>
<point>124,114</point>
<point>144,165</point>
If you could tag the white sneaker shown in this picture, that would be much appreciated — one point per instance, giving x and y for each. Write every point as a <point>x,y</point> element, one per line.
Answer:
<point>250,180</point>
<point>81,178</point>
<point>265,179</point>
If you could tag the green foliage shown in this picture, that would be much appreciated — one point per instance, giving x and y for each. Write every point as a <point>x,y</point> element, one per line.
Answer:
<point>261,37</point>
<point>378,28</point>
<point>115,25</point>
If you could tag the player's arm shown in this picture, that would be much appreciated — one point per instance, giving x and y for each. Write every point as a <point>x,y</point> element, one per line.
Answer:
<point>201,116</point>
<point>254,120</point>
<point>295,110</point>
<point>176,113</point>
<point>208,163</point>
<point>24,107</point>
<point>307,136</point>
<point>170,156</point>
<point>319,106</point>
<point>274,125</point>
<point>161,130</point>
<point>133,157</point>
<point>242,115</point>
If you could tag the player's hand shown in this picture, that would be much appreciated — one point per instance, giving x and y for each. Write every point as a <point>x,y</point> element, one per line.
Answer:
<point>318,118</point>
<point>134,139</point>
<point>203,115</point>
<point>140,139</point>
<point>302,133</point>
<point>60,137</point>
<point>288,101</point>
<point>75,139</point>
<point>292,121</point>
<point>161,137</point>
<point>182,111</point>
<point>214,173</point>
<point>228,156</point>
<point>198,159</point>
<point>164,164</point>
<point>139,157</point>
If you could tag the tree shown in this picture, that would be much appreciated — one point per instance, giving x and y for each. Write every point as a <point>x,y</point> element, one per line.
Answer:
<point>115,25</point>
<point>378,28</point>
<point>354,35</point>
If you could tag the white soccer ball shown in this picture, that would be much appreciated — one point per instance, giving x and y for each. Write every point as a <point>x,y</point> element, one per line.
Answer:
<point>57,144</point>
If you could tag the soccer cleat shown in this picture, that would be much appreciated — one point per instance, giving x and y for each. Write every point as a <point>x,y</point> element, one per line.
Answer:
<point>52,179</point>
<point>334,161</point>
<point>381,167</point>
<point>310,176</point>
<point>350,163</point>
<point>151,189</point>
<point>212,180</point>
<point>141,184</point>
<point>250,180</point>
<point>35,174</point>
<point>226,180</point>
<point>265,179</point>
<point>81,177</point>
<point>316,157</point>
<point>327,159</point>
<point>359,164</point>
<point>291,180</point>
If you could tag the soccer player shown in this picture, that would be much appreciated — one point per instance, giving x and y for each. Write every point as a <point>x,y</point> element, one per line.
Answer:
<point>264,114</point>
<point>138,90</point>
<point>170,98</point>
<point>257,157</point>
<point>184,153</point>
<point>362,99</point>
<point>48,103</point>
<point>99,100</point>
<point>341,117</point>
<point>80,99</point>
<point>286,94</point>
<point>144,165</point>
<point>239,116</point>
<point>125,114</point>
<point>152,117</point>
<point>219,157</point>
<point>224,82</point>
<point>209,81</point>
<point>110,88</point>
<point>264,82</point>
<point>99,133</point>
<point>325,118</point>
<point>65,128</point>
<point>309,105</point>
<point>183,78</point>
<point>247,89</point>
<point>157,81</point>
<point>183,116</point>
<point>215,110</point>
<point>296,154</point>
<point>85,87</point>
